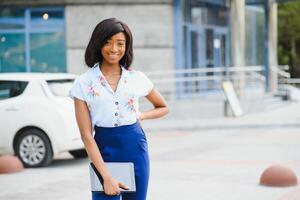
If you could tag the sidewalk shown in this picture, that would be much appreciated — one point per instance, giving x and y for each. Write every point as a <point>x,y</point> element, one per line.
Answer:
<point>191,159</point>
<point>287,115</point>
<point>223,158</point>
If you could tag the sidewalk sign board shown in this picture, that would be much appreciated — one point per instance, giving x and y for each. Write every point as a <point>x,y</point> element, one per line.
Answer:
<point>232,98</point>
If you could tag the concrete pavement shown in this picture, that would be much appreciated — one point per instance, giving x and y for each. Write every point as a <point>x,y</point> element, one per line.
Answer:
<point>191,159</point>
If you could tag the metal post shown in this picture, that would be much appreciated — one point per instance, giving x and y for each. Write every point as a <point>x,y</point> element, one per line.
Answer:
<point>178,41</point>
<point>266,33</point>
<point>237,11</point>
<point>27,40</point>
<point>272,47</point>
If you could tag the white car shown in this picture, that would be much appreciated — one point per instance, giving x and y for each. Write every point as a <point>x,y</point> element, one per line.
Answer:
<point>37,117</point>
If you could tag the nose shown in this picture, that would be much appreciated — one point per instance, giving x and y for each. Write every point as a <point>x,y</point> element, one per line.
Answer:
<point>114,47</point>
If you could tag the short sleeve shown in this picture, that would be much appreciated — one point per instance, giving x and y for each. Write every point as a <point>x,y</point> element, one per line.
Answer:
<point>77,91</point>
<point>146,84</point>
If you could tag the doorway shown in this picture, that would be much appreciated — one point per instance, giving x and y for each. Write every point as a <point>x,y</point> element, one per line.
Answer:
<point>206,49</point>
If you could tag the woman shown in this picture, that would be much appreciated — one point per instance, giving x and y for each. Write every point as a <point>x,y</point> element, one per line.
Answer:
<point>106,101</point>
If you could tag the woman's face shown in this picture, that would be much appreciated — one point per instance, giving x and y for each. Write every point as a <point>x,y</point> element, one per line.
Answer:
<point>114,49</point>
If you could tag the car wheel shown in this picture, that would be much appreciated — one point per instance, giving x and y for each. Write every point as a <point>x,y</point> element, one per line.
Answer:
<point>34,148</point>
<point>81,153</point>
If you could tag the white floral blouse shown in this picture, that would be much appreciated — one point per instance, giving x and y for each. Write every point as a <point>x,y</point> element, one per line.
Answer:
<point>108,108</point>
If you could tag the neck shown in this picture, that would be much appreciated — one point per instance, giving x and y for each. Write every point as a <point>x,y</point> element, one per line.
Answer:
<point>108,69</point>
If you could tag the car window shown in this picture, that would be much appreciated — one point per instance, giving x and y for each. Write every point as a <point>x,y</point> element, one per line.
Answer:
<point>60,87</point>
<point>9,89</point>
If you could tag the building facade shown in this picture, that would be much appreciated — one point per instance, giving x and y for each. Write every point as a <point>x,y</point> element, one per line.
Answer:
<point>51,35</point>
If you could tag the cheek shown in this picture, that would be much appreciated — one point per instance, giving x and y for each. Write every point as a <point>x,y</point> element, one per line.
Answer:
<point>123,52</point>
<point>102,51</point>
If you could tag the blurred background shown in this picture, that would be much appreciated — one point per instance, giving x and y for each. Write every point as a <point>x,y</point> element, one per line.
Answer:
<point>215,142</point>
<point>188,48</point>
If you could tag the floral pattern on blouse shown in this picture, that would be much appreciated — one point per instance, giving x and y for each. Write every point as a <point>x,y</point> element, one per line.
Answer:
<point>108,108</point>
<point>131,103</point>
<point>102,81</point>
<point>91,90</point>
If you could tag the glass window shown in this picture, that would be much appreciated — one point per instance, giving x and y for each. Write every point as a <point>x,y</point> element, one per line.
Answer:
<point>61,87</point>
<point>34,42</point>
<point>47,52</point>
<point>199,15</point>
<point>255,38</point>
<point>9,89</point>
<point>194,49</point>
<point>12,18</point>
<point>255,2</point>
<point>12,12</point>
<point>46,19</point>
<point>12,52</point>
<point>210,46</point>
<point>209,16</point>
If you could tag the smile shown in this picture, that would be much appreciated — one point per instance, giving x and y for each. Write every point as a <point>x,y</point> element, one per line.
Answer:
<point>113,56</point>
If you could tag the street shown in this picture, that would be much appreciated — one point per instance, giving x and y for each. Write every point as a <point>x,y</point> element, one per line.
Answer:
<point>220,160</point>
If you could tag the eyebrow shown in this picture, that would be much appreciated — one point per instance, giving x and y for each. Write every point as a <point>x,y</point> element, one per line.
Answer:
<point>117,40</point>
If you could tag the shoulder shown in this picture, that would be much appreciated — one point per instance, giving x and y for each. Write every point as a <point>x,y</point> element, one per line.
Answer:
<point>142,84</point>
<point>139,78</point>
<point>135,73</point>
<point>85,77</point>
<point>78,89</point>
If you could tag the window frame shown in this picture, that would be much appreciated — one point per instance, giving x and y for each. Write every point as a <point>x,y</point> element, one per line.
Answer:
<point>22,87</point>
<point>27,30</point>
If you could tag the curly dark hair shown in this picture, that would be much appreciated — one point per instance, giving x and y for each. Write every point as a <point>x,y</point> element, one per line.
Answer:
<point>103,32</point>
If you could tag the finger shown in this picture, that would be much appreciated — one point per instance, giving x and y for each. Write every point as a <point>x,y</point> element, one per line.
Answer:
<point>114,193</point>
<point>123,186</point>
<point>110,192</point>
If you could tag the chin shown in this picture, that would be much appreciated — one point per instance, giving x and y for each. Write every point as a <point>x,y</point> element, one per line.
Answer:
<point>114,63</point>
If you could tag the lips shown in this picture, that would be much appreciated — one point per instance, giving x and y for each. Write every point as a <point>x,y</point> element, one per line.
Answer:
<point>113,56</point>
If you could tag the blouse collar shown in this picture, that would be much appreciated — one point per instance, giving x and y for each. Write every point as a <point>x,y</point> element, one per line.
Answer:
<point>98,73</point>
<point>99,76</point>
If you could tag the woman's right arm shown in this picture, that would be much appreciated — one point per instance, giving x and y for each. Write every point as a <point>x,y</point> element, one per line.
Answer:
<point>111,186</point>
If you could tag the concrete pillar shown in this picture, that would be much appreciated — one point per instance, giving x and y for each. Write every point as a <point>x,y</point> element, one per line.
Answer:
<point>237,18</point>
<point>272,47</point>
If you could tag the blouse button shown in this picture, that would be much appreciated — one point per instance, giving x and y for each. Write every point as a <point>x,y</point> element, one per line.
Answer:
<point>117,103</point>
<point>116,124</point>
<point>116,114</point>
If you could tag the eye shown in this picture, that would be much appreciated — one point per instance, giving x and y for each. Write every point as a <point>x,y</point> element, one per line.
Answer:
<point>107,43</point>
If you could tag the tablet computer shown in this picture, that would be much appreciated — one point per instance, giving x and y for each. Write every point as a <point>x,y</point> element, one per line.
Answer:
<point>121,171</point>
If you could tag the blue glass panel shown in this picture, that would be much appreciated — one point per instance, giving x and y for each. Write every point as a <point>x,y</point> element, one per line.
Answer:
<point>210,2</point>
<point>253,2</point>
<point>12,18</point>
<point>32,37</point>
<point>209,16</point>
<point>12,53</point>
<point>12,12</point>
<point>46,19</point>
<point>47,52</point>
<point>255,20</point>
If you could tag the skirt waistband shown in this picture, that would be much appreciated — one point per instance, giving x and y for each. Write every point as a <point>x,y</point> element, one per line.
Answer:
<point>119,129</point>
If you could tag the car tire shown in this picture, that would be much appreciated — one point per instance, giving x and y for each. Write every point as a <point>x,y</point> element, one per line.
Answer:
<point>33,148</point>
<point>80,153</point>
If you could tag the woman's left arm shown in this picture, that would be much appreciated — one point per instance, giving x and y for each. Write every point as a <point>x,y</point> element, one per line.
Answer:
<point>160,106</point>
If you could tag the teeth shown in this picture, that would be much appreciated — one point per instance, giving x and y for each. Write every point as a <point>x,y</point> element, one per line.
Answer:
<point>113,56</point>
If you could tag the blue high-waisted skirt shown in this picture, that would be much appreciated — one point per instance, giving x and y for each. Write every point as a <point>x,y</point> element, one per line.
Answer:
<point>125,144</point>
